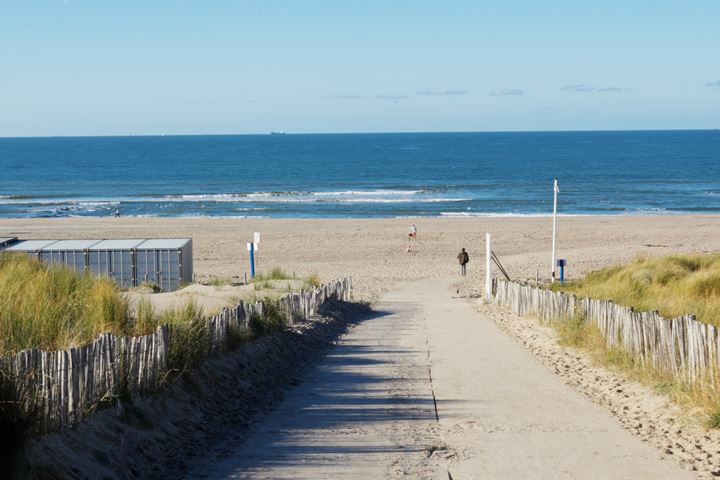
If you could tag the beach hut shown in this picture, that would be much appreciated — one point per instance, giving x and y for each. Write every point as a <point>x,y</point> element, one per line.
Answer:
<point>70,253</point>
<point>166,262</point>
<point>7,241</point>
<point>31,247</point>
<point>116,259</point>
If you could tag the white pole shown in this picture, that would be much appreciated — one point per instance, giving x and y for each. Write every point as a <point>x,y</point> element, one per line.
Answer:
<point>555,192</point>
<point>488,271</point>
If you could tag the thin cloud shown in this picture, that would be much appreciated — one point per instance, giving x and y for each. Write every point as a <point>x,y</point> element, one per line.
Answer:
<point>346,97</point>
<point>392,97</point>
<point>578,87</point>
<point>513,92</point>
<point>612,89</point>
<point>442,91</point>
<point>713,84</point>
<point>585,88</point>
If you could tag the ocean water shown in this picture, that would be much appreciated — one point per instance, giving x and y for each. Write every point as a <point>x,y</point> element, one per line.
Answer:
<point>362,175</point>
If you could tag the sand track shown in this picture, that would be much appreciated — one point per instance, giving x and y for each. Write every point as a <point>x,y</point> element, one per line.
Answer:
<point>367,410</point>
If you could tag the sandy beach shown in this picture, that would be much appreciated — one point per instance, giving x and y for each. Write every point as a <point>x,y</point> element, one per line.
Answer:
<point>461,363</point>
<point>374,252</point>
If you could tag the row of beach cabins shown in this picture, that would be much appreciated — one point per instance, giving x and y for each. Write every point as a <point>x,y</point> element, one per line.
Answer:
<point>166,262</point>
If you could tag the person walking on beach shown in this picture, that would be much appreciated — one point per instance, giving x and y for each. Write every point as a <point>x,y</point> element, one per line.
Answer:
<point>413,232</point>
<point>463,258</point>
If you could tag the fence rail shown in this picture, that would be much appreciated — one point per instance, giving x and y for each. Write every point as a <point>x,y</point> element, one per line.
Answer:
<point>65,386</point>
<point>687,349</point>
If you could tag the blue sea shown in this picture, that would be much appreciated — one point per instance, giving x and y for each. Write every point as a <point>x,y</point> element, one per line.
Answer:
<point>361,175</point>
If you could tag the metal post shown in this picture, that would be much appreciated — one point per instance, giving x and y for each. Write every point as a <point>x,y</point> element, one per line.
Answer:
<point>554,227</point>
<point>488,271</point>
<point>562,274</point>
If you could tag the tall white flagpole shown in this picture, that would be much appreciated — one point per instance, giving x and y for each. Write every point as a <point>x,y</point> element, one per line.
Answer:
<point>488,268</point>
<point>555,193</point>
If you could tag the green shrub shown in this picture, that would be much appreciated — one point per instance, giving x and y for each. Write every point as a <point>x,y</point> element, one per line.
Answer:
<point>714,420</point>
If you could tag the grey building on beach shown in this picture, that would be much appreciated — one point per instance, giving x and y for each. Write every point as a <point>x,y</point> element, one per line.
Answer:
<point>166,262</point>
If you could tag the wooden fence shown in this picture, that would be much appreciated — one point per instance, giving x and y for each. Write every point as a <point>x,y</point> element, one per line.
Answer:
<point>687,349</point>
<point>65,386</point>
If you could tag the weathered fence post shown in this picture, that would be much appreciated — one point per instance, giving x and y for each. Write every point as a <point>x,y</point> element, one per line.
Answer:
<point>682,347</point>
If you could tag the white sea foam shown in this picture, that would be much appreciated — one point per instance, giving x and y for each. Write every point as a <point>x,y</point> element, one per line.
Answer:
<point>252,196</point>
<point>508,214</point>
<point>344,196</point>
<point>369,192</point>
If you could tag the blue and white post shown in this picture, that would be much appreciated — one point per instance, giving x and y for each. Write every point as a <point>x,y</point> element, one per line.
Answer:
<point>556,190</point>
<point>561,263</point>
<point>251,249</point>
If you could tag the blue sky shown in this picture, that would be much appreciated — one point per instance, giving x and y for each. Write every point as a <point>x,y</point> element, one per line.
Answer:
<point>113,68</point>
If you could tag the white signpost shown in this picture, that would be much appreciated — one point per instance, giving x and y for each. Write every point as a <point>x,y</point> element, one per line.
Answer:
<point>256,243</point>
<point>488,268</point>
<point>556,190</point>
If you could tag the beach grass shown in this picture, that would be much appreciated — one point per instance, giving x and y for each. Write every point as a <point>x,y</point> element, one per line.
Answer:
<point>188,336</point>
<point>314,280</point>
<point>276,273</point>
<point>54,308</point>
<point>674,285</point>
<point>701,400</point>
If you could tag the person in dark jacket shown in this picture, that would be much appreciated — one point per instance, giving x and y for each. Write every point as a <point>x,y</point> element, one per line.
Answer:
<point>463,258</point>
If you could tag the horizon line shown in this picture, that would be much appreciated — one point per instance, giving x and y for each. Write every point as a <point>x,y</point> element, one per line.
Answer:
<point>268,133</point>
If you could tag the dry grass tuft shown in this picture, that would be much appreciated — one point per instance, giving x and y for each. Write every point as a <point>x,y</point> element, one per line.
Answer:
<point>276,273</point>
<point>314,280</point>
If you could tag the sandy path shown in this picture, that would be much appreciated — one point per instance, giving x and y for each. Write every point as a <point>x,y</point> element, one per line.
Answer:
<point>367,410</point>
<point>507,416</point>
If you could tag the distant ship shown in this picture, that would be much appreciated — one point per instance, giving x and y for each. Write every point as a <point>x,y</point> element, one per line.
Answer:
<point>279,132</point>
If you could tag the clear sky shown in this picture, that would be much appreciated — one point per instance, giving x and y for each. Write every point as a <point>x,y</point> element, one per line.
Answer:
<point>113,68</point>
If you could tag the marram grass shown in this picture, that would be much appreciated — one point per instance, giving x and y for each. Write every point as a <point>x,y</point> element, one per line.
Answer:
<point>701,401</point>
<point>54,308</point>
<point>675,285</point>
